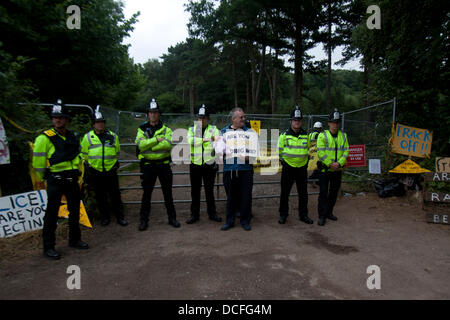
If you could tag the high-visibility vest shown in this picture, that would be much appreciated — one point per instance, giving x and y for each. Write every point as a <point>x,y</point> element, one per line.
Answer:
<point>294,150</point>
<point>202,151</point>
<point>100,156</point>
<point>149,147</point>
<point>330,149</point>
<point>55,153</point>
<point>313,136</point>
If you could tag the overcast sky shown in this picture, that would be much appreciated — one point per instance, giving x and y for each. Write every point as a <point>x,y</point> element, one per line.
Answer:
<point>162,23</point>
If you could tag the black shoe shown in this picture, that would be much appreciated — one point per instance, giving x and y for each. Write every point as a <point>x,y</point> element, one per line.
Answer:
<point>226,227</point>
<point>143,226</point>
<point>306,220</point>
<point>104,222</point>
<point>122,222</point>
<point>321,221</point>
<point>174,223</point>
<point>215,218</point>
<point>246,227</point>
<point>192,220</point>
<point>282,220</point>
<point>332,217</point>
<point>79,245</point>
<point>52,254</point>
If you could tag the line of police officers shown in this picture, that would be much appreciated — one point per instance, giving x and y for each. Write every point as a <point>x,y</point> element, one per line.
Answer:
<point>58,153</point>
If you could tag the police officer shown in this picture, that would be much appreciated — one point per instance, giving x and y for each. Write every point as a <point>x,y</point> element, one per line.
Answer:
<point>203,165</point>
<point>154,144</point>
<point>60,149</point>
<point>100,148</point>
<point>293,150</point>
<point>332,151</point>
<point>318,128</point>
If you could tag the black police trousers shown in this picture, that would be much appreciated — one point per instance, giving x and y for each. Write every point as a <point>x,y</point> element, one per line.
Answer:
<point>330,182</point>
<point>207,173</point>
<point>106,184</point>
<point>289,175</point>
<point>65,183</point>
<point>165,175</point>
<point>238,187</point>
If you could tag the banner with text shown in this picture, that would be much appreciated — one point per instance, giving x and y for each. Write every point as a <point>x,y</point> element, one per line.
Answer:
<point>357,156</point>
<point>412,141</point>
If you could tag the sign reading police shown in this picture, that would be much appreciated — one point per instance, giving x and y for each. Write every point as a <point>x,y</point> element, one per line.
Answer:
<point>22,212</point>
<point>412,141</point>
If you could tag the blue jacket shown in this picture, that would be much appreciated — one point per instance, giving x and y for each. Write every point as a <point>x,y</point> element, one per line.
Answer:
<point>235,166</point>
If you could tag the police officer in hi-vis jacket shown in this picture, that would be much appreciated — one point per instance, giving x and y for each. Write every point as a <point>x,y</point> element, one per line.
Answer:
<point>154,146</point>
<point>100,149</point>
<point>56,159</point>
<point>293,146</point>
<point>332,152</point>
<point>203,165</point>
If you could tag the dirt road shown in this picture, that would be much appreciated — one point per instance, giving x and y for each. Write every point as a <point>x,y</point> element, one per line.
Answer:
<point>292,261</point>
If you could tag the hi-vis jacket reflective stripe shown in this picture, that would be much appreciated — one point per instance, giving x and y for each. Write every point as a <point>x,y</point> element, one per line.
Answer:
<point>330,149</point>
<point>152,150</point>
<point>202,152</point>
<point>44,150</point>
<point>101,157</point>
<point>292,149</point>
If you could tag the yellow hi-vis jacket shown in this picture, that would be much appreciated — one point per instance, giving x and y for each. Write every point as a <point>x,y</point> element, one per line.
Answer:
<point>63,154</point>
<point>202,151</point>
<point>293,148</point>
<point>330,149</point>
<point>149,147</point>
<point>100,156</point>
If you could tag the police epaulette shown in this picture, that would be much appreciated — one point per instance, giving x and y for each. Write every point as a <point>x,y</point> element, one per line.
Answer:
<point>50,133</point>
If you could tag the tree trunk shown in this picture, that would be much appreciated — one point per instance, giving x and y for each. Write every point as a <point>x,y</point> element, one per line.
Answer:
<point>247,89</point>
<point>275,87</point>
<point>191,99</point>
<point>298,66</point>
<point>253,66</point>
<point>261,71</point>
<point>329,60</point>
<point>233,66</point>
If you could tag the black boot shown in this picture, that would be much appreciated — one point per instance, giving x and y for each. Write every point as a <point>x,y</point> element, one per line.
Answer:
<point>192,219</point>
<point>332,217</point>
<point>215,218</point>
<point>321,221</point>
<point>306,220</point>
<point>173,222</point>
<point>52,254</point>
<point>143,226</point>
<point>282,220</point>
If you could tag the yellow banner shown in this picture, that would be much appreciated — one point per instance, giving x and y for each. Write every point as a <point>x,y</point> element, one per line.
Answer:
<point>409,166</point>
<point>412,141</point>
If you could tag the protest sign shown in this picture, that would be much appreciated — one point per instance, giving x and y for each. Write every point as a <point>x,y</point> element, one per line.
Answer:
<point>4,150</point>
<point>25,212</point>
<point>412,141</point>
<point>442,164</point>
<point>22,212</point>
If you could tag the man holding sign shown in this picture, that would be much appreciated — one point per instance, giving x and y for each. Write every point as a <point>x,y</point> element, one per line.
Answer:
<point>239,147</point>
<point>56,159</point>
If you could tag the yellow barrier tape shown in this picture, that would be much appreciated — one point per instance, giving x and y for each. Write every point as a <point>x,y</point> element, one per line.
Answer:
<point>17,126</point>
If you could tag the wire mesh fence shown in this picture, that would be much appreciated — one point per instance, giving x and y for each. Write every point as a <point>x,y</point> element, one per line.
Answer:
<point>370,126</point>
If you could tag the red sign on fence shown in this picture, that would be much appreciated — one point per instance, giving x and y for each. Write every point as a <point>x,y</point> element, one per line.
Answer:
<point>357,156</point>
